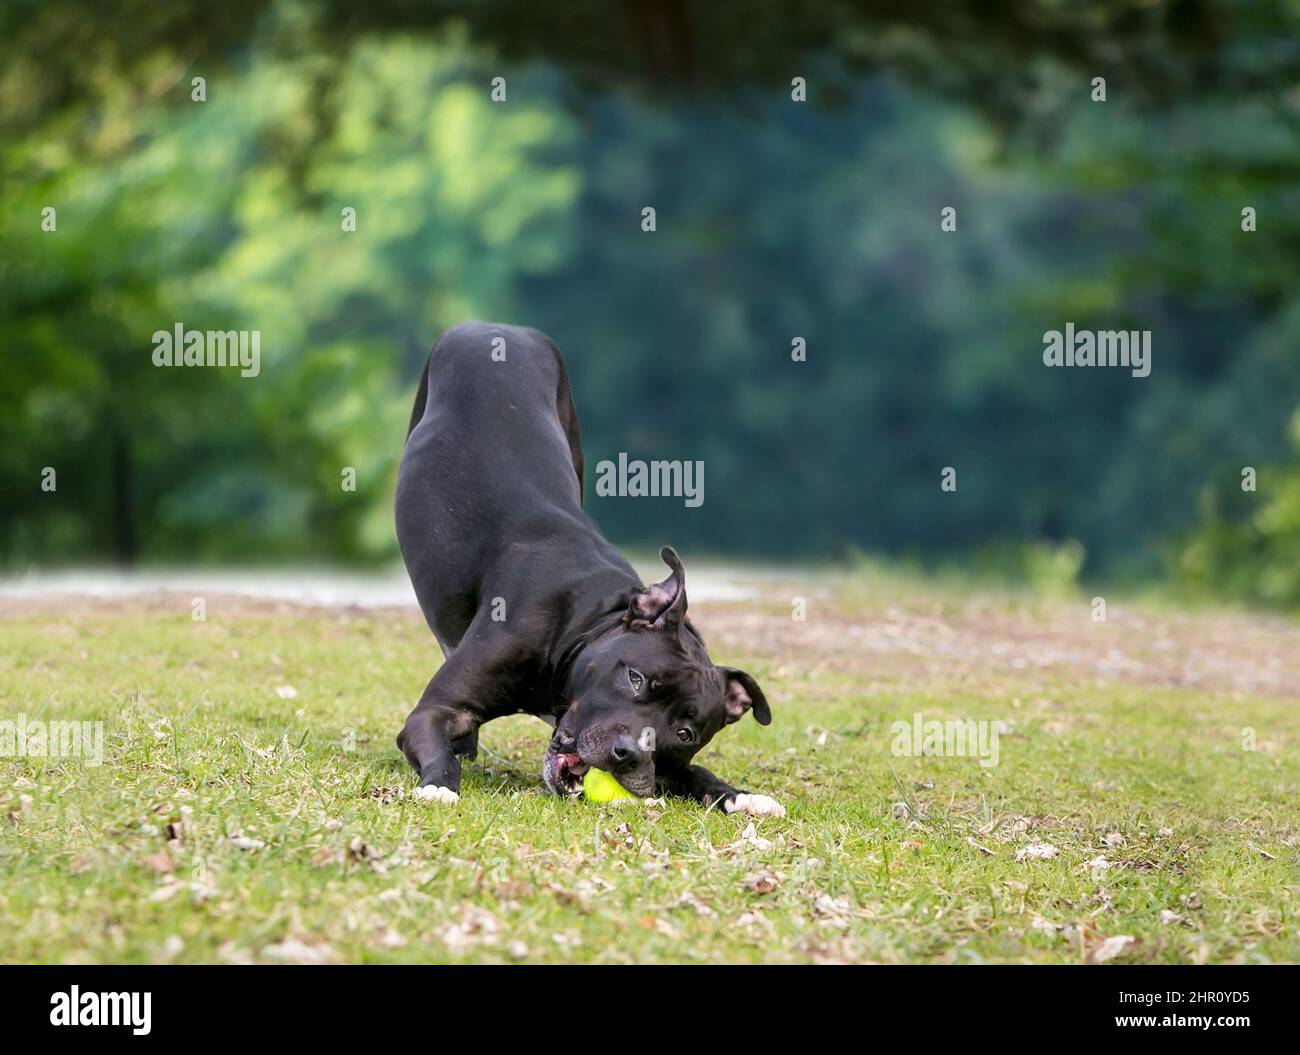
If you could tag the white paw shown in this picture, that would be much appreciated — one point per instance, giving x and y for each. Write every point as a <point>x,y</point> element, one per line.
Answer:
<point>433,793</point>
<point>754,805</point>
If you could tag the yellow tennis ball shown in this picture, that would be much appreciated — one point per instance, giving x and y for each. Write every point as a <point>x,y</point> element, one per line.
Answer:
<point>599,786</point>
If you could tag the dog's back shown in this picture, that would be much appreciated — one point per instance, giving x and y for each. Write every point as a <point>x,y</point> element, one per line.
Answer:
<point>493,455</point>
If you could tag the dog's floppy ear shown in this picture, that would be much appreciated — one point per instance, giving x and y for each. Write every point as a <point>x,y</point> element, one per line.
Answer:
<point>662,605</point>
<point>742,693</point>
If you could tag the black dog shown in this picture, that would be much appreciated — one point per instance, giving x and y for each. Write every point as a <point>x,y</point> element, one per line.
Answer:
<point>534,610</point>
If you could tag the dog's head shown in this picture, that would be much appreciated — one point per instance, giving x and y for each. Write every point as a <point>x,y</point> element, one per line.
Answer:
<point>645,695</point>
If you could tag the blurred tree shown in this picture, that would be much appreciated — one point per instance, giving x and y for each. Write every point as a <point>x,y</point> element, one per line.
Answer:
<point>200,226</point>
<point>776,220</point>
<point>1247,546</point>
<point>996,54</point>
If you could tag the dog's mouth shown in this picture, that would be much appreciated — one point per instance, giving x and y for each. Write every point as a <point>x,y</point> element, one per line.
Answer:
<point>563,772</point>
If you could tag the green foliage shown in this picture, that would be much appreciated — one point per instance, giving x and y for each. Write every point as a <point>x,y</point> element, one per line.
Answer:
<point>1248,545</point>
<point>202,225</point>
<point>776,220</point>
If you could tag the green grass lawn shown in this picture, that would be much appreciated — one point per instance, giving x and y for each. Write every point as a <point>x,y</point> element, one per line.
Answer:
<point>252,806</point>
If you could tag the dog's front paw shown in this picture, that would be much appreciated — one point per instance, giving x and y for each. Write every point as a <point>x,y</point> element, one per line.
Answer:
<point>433,793</point>
<point>754,805</point>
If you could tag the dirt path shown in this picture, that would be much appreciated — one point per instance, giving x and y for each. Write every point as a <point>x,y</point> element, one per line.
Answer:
<point>851,626</point>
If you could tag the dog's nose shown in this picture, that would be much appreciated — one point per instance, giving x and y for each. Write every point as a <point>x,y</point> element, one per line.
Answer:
<point>625,753</point>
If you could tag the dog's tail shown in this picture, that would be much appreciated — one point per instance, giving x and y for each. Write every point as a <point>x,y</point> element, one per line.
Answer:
<point>421,398</point>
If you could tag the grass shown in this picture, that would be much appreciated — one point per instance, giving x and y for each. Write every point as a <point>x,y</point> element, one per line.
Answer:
<point>253,807</point>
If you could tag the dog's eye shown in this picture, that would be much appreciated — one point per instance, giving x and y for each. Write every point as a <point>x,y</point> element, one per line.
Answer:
<point>634,679</point>
<point>685,735</point>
